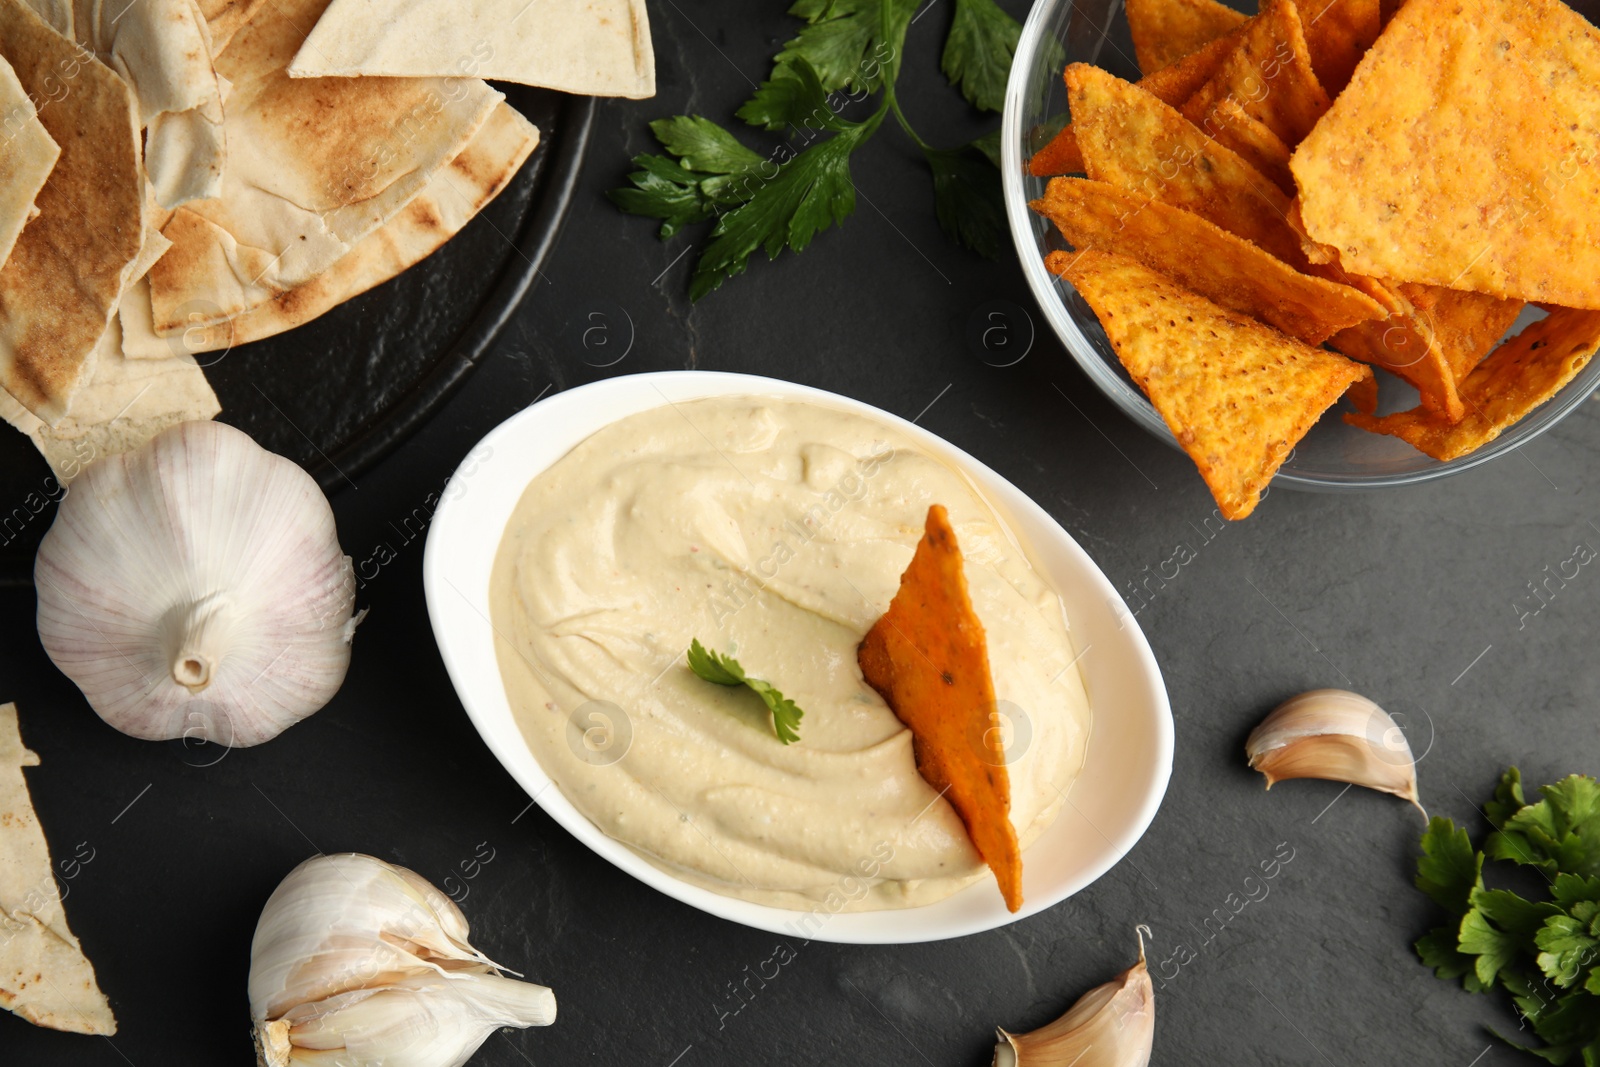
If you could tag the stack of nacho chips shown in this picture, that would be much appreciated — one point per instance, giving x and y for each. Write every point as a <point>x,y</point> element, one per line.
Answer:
<point>183,176</point>
<point>1314,178</point>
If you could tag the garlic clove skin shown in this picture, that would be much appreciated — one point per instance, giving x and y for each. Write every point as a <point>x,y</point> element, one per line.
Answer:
<point>1338,736</point>
<point>1112,1025</point>
<point>195,588</point>
<point>356,961</point>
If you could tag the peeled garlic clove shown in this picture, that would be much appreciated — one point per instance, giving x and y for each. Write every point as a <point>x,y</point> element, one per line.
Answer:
<point>1112,1025</point>
<point>1336,735</point>
<point>356,961</point>
<point>195,588</point>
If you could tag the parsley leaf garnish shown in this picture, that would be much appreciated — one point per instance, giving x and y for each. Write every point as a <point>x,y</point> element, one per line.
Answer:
<point>848,52</point>
<point>725,670</point>
<point>978,52</point>
<point>1545,953</point>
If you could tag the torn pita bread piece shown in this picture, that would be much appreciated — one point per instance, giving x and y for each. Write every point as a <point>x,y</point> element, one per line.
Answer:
<point>589,47</point>
<point>44,975</point>
<point>27,156</point>
<point>1134,141</point>
<point>1201,256</point>
<point>314,166</point>
<point>65,275</point>
<point>1463,153</point>
<point>162,49</point>
<point>224,18</point>
<point>1171,85</point>
<point>928,657</point>
<point>452,197</point>
<point>1237,395</point>
<point>1268,75</point>
<point>1517,378</point>
<point>57,13</point>
<point>124,404</point>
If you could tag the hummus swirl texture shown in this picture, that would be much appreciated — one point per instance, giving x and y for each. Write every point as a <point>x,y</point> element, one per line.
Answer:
<point>775,531</point>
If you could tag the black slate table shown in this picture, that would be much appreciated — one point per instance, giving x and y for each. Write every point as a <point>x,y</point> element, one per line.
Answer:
<point>1418,598</point>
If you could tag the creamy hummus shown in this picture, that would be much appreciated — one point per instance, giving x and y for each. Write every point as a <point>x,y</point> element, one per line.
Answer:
<point>775,531</point>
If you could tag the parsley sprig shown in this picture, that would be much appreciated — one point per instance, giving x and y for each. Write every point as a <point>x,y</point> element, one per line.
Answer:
<point>725,670</point>
<point>848,51</point>
<point>1545,953</point>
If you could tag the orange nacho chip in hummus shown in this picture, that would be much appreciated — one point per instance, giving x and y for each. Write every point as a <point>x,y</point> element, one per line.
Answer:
<point>1517,377</point>
<point>1236,394</point>
<point>928,657</point>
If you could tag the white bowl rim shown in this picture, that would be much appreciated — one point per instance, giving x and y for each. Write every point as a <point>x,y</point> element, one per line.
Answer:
<point>1044,287</point>
<point>461,623</point>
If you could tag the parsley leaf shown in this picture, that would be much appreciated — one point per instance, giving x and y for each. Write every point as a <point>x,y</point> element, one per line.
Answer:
<point>1545,953</point>
<point>701,144</point>
<point>725,670</point>
<point>967,199</point>
<point>1494,948</point>
<point>1508,798</point>
<point>978,52</point>
<point>1440,949</point>
<point>847,52</point>
<point>811,191</point>
<point>1568,943</point>
<point>1559,833</point>
<point>846,40</point>
<point>662,189</point>
<point>1449,870</point>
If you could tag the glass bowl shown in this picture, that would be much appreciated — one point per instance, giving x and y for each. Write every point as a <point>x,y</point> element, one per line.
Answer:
<point>1334,456</point>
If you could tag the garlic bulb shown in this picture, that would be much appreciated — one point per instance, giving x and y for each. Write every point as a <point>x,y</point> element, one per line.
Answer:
<point>195,588</point>
<point>356,961</point>
<point>1337,735</point>
<point>1112,1025</point>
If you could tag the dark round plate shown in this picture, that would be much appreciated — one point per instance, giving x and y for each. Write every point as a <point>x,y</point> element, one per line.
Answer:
<point>339,393</point>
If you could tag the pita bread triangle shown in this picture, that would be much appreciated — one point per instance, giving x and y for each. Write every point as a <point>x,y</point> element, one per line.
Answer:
<point>27,160</point>
<point>65,275</point>
<point>314,166</point>
<point>44,975</point>
<point>591,47</point>
<point>448,201</point>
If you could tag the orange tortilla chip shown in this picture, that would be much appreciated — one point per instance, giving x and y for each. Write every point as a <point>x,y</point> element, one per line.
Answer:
<point>1338,34</point>
<point>1269,75</point>
<point>1517,377</point>
<point>1253,141</point>
<point>1463,153</point>
<point>1237,395</point>
<point>1363,395</point>
<point>1164,31</point>
<point>1200,256</point>
<point>1466,324</point>
<point>1171,85</point>
<point>1060,155</point>
<point>1136,142</point>
<point>1315,251</point>
<point>928,658</point>
<point>1405,346</point>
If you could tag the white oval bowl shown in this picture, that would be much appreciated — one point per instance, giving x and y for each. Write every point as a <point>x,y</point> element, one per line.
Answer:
<point>1130,749</point>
